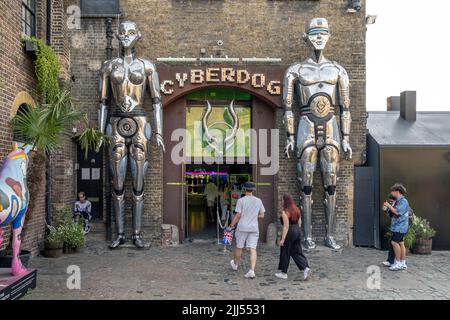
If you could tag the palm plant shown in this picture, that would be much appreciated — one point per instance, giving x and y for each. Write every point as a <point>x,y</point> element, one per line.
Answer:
<point>43,125</point>
<point>91,139</point>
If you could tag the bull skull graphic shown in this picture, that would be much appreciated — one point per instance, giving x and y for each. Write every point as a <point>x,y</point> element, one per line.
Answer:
<point>229,140</point>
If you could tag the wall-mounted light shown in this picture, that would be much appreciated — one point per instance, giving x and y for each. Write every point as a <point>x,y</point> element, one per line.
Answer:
<point>354,6</point>
<point>371,19</point>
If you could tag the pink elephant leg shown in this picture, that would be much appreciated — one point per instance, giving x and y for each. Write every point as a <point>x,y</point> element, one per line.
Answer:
<point>16,267</point>
<point>1,236</point>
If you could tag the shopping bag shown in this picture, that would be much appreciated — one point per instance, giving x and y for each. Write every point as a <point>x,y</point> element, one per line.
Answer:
<point>228,235</point>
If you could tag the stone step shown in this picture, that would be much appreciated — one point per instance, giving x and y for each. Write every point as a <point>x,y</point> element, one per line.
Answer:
<point>98,231</point>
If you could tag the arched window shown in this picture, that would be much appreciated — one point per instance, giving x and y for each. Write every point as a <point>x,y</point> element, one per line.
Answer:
<point>17,137</point>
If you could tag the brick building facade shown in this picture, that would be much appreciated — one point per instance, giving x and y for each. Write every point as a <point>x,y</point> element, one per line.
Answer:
<point>18,86</point>
<point>256,28</point>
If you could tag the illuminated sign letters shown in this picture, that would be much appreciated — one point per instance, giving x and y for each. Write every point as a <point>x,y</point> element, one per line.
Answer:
<point>221,76</point>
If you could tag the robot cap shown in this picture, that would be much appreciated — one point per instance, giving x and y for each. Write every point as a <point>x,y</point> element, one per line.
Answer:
<point>317,25</point>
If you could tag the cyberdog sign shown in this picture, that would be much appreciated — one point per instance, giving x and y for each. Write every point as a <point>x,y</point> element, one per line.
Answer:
<point>265,81</point>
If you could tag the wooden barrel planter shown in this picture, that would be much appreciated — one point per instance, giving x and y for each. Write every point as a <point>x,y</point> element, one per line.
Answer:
<point>68,249</point>
<point>53,249</point>
<point>423,246</point>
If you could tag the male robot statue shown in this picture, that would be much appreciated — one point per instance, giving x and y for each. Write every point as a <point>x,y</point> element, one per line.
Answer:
<point>320,85</point>
<point>126,78</point>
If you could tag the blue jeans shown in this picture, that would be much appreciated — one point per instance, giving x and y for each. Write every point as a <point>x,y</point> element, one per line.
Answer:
<point>391,254</point>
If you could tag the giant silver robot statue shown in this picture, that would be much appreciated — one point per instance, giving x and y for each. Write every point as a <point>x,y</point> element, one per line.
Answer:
<point>320,85</point>
<point>126,78</point>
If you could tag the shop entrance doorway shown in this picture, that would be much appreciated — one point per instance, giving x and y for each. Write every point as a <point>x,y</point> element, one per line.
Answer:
<point>211,195</point>
<point>90,179</point>
<point>234,118</point>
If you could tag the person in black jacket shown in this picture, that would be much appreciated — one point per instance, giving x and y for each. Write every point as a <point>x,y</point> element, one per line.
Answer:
<point>290,242</point>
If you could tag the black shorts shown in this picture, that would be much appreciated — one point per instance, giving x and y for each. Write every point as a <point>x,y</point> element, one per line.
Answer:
<point>397,237</point>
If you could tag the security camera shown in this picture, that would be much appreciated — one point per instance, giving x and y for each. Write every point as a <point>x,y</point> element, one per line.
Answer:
<point>354,5</point>
<point>371,19</point>
<point>220,43</point>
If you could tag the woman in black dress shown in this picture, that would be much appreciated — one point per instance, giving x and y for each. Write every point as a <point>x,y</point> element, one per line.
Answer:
<point>290,243</point>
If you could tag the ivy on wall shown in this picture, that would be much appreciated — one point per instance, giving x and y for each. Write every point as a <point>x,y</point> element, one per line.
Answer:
<point>47,68</point>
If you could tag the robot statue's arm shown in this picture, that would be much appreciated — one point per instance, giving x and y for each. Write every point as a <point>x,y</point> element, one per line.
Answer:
<point>346,119</point>
<point>104,92</point>
<point>290,78</point>
<point>155,93</point>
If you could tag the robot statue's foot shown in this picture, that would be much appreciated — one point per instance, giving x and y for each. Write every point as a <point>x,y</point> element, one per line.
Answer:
<point>138,241</point>
<point>331,243</point>
<point>119,241</point>
<point>309,244</point>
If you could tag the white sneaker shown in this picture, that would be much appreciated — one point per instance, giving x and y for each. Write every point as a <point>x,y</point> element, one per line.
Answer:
<point>281,275</point>
<point>404,266</point>
<point>250,274</point>
<point>306,273</point>
<point>396,267</point>
<point>386,263</point>
<point>234,266</point>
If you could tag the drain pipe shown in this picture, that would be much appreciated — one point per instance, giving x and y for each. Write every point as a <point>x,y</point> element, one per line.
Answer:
<point>49,22</point>
<point>107,180</point>
<point>48,187</point>
<point>48,171</point>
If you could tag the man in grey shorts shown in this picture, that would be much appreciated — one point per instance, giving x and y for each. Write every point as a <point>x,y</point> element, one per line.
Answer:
<point>248,209</point>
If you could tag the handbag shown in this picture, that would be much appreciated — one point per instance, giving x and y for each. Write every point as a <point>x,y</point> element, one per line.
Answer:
<point>228,236</point>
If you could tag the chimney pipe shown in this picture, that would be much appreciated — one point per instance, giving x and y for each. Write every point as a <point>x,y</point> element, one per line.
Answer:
<point>393,103</point>
<point>408,105</point>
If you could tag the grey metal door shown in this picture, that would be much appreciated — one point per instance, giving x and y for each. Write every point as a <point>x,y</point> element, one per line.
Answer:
<point>365,228</point>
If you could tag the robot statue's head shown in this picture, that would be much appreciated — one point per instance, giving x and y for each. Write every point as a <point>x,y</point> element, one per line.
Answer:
<point>317,33</point>
<point>128,34</point>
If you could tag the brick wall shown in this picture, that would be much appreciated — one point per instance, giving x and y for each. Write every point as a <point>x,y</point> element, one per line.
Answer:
<point>63,180</point>
<point>259,28</point>
<point>17,75</point>
<point>87,54</point>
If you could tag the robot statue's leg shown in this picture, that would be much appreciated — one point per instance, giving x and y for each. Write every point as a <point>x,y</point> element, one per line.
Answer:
<point>306,167</point>
<point>119,157</point>
<point>139,165</point>
<point>329,163</point>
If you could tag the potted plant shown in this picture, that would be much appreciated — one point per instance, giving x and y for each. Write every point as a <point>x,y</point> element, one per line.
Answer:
<point>71,232</point>
<point>409,239</point>
<point>424,234</point>
<point>73,237</point>
<point>54,242</point>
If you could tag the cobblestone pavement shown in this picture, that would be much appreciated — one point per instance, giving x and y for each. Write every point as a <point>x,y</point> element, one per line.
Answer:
<point>201,271</point>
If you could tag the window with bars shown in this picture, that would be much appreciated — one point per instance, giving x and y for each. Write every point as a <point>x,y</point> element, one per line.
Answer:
<point>29,17</point>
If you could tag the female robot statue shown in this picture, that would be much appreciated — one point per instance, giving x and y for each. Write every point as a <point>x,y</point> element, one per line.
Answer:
<point>320,85</point>
<point>126,79</point>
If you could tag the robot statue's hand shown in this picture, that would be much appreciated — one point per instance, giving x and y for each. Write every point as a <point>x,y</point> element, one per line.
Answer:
<point>290,144</point>
<point>160,142</point>
<point>347,149</point>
